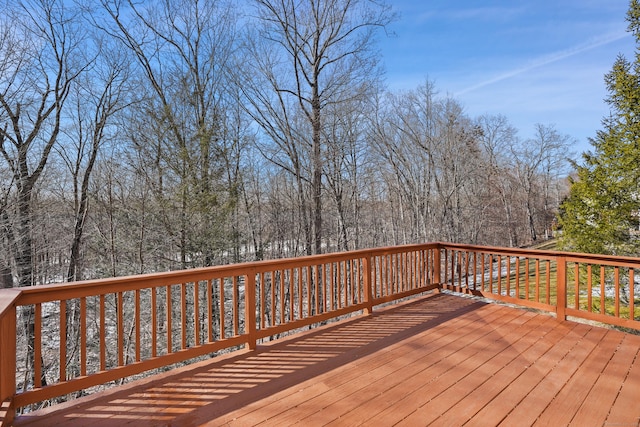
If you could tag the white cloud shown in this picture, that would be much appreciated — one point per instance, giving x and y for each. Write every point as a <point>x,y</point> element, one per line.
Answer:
<point>548,59</point>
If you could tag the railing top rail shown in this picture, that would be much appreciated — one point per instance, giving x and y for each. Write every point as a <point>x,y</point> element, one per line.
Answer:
<point>548,254</point>
<point>58,291</point>
<point>8,297</point>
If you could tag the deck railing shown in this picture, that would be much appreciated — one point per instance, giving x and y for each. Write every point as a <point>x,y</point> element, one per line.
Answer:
<point>593,287</point>
<point>64,338</point>
<point>76,336</point>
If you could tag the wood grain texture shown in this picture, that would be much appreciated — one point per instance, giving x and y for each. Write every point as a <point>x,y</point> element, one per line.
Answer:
<point>440,360</point>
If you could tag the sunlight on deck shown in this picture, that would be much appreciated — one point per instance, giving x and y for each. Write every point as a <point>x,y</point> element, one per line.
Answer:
<point>441,359</point>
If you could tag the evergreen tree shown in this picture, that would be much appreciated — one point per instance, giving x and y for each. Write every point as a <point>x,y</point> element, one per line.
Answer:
<point>602,211</point>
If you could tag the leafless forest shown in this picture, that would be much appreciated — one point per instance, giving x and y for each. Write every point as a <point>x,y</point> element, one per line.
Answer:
<point>150,136</point>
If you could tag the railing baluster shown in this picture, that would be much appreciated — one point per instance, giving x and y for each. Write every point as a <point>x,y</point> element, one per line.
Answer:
<point>183,315</point>
<point>384,283</point>
<point>631,295</point>
<point>300,293</point>
<point>359,281</point>
<point>417,272</point>
<point>396,265</point>
<point>137,324</point>
<point>322,287</point>
<point>438,271</point>
<point>548,279</point>
<point>154,323</point>
<point>169,321</point>
<point>83,336</point>
<point>210,320</point>
<point>517,279</point>
<point>475,270</point>
<point>391,275</point>
<point>120,329</point>
<point>344,283</point>
<point>291,288</point>
<point>484,269</point>
<point>507,263</point>
<point>368,284</point>
<point>537,280</point>
<point>222,316</point>
<point>499,275</point>
<point>103,345</point>
<point>589,288</point>
<point>402,272</point>
<point>63,340</point>
<point>466,269</point>
<point>196,312</point>
<point>576,299</point>
<point>249,309</point>
<point>602,290</point>
<point>332,284</point>
<point>317,283</point>
<point>308,268</point>
<point>616,281</point>
<point>282,296</point>
<point>262,301</point>
<point>236,307</point>
<point>526,279</point>
<point>445,263</point>
<point>37,346</point>
<point>561,293</point>
<point>423,273</point>
<point>453,267</point>
<point>376,277</point>
<point>491,278</point>
<point>353,287</point>
<point>408,277</point>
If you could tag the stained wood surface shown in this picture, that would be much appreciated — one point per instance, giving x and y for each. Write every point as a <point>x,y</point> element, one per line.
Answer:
<point>438,360</point>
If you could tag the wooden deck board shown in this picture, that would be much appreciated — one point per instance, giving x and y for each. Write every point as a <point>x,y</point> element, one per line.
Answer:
<point>596,407</point>
<point>566,404</point>
<point>511,395</point>
<point>435,378</point>
<point>482,368</point>
<point>442,359</point>
<point>626,409</point>
<point>535,402</point>
<point>491,401</point>
<point>445,345</point>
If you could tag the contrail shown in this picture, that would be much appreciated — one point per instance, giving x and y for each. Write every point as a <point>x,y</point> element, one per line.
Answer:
<point>548,59</point>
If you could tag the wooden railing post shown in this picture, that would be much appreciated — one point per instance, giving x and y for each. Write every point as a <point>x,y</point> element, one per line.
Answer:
<point>368,284</point>
<point>436,267</point>
<point>7,359</point>
<point>250,309</point>
<point>561,288</point>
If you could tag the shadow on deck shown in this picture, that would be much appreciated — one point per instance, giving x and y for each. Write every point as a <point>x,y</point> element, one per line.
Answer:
<point>439,359</point>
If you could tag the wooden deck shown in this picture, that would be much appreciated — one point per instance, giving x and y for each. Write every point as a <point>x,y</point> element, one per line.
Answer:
<point>440,360</point>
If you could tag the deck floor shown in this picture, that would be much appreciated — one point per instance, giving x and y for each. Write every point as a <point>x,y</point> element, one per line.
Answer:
<point>438,360</point>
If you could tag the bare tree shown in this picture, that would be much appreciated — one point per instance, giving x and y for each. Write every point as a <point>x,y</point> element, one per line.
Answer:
<point>405,138</point>
<point>45,47</point>
<point>540,161</point>
<point>317,51</point>
<point>182,49</point>
<point>430,148</point>
<point>345,155</point>
<point>96,98</point>
<point>498,138</point>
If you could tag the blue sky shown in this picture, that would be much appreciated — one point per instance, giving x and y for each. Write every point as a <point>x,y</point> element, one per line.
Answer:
<point>534,61</point>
